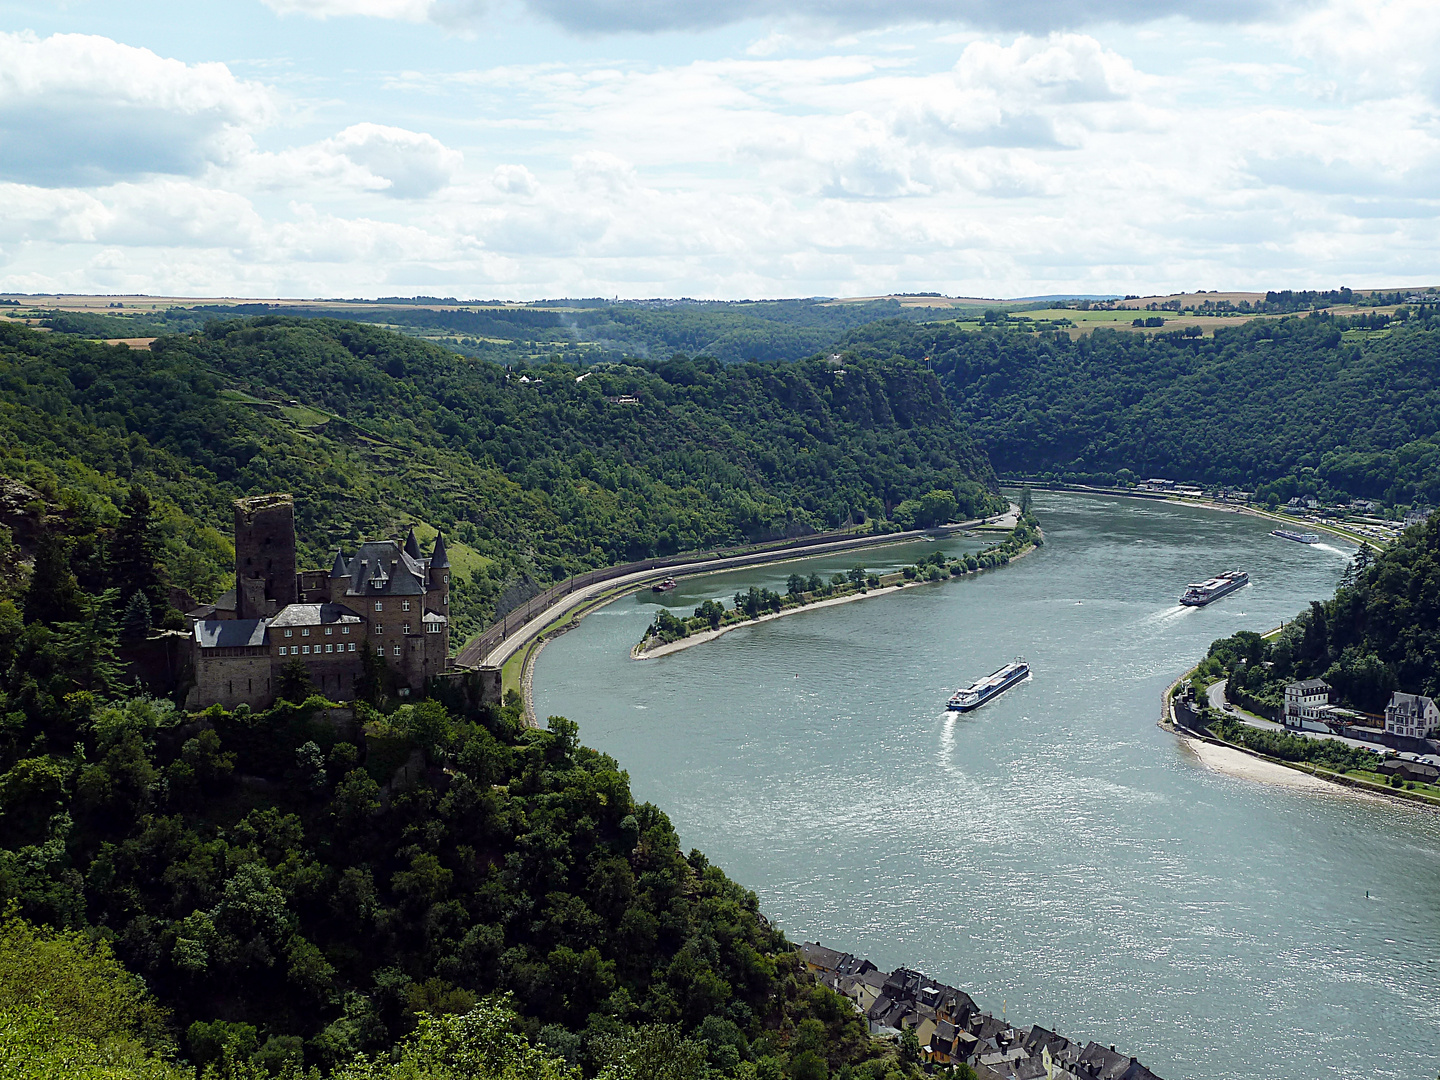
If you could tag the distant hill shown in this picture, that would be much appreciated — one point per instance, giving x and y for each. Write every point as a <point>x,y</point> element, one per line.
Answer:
<point>1324,404</point>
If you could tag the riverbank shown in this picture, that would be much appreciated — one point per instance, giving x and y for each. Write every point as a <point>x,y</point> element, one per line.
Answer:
<point>519,667</point>
<point>639,652</point>
<point>1331,528</point>
<point>1233,761</point>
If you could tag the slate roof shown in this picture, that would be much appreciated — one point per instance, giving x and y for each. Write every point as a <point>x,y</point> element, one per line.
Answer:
<point>314,615</point>
<point>434,616</point>
<point>820,956</point>
<point>381,568</point>
<point>440,558</point>
<point>230,633</point>
<point>1312,684</point>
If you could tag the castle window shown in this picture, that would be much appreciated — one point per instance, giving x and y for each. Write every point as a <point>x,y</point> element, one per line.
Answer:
<point>329,648</point>
<point>445,600</point>
<point>305,649</point>
<point>379,650</point>
<point>305,633</point>
<point>344,629</point>
<point>404,605</point>
<point>329,630</point>
<point>289,633</point>
<point>379,629</point>
<point>396,650</point>
<point>405,629</point>
<point>379,606</point>
<point>282,650</point>
<point>352,646</point>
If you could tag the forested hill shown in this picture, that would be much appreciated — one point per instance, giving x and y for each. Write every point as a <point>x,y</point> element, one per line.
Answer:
<point>533,475</point>
<point>1379,633</point>
<point>1317,404</point>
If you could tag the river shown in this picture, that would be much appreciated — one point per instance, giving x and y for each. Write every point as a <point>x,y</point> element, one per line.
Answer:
<point>1054,853</point>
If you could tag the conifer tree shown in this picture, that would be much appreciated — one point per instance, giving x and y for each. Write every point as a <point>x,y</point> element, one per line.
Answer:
<point>135,624</point>
<point>53,595</point>
<point>134,551</point>
<point>88,644</point>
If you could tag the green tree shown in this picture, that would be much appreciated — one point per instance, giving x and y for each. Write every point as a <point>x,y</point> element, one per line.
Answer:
<point>294,683</point>
<point>135,550</point>
<point>53,595</point>
<point>89,643</point>
<point>135,623</point>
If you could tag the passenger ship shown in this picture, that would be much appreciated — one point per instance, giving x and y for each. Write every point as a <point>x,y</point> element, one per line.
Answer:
<point>1298,537</point>
<point>1203,592</point>
<point>993,685</point>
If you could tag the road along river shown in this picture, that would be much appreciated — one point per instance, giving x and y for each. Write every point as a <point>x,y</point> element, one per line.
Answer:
<point>1054,851</point>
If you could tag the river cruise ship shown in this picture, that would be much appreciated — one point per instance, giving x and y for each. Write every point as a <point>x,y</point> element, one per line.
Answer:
<point>1200,593</point>
<point>1298,537</point>
<point>663,586</point>
<point>993,685</point>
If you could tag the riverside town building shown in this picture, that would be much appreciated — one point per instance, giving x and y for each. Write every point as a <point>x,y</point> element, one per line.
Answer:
<point>388,598</point>
<point>1411,715</point>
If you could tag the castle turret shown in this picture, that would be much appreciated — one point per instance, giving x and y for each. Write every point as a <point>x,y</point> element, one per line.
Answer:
<point>338,570</point>
<point>412,546</point>
<point>264,555</point>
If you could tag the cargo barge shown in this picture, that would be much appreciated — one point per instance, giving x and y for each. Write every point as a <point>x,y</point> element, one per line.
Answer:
<point>1200,593</point>
<point>993,685</point>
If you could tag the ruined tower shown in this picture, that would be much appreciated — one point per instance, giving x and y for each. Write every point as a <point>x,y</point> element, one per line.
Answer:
<point>264,555</point>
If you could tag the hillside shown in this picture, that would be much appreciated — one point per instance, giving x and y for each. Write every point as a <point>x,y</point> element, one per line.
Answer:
<point>1323,405</point>
<point>534,474</point>
<point>1379,633</point>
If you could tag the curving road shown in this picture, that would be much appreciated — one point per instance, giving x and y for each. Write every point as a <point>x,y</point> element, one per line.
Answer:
<point>470,656</point>
<point>1215,693</point>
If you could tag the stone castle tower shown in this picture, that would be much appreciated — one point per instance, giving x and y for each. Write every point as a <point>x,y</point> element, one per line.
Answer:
<point>264,555</point>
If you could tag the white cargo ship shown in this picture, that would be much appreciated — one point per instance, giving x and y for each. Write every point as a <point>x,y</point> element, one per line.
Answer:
<point>993,685</point>
<point>1200,593</point>
<point>1298,537</point>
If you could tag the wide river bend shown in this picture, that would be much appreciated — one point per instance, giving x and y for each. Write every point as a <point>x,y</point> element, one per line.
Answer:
<point>1054,853</point>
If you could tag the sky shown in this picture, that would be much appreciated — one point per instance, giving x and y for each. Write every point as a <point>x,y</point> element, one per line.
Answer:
<point>716,149</point>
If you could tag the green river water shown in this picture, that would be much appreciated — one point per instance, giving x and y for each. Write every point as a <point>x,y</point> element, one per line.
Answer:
<point>1054,853</point>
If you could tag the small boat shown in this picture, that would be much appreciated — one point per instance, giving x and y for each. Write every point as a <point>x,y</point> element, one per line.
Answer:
<point>993,685</point>
<point>1298,537</point>
<point>663,586</point>
<point>1200,593</point>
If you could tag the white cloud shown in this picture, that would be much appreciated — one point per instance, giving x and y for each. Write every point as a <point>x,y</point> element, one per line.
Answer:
<point>654,16</point>
<point>456,14</point>
<point>79,109</point>
<point>409,164</point>
<point>1380,48</point>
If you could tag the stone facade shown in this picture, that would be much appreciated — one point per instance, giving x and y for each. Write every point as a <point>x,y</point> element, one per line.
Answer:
<point>388,598</point>
<point>264,555</point>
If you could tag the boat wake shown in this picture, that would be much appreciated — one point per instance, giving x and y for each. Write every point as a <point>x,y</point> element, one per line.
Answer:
<point>1333,550</point>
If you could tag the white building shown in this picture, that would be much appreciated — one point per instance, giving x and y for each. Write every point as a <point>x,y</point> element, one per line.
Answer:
<point>1304,700</point>
<point>1411,715</point>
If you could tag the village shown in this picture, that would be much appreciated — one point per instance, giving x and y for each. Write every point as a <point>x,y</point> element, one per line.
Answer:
<point>951,1030</point>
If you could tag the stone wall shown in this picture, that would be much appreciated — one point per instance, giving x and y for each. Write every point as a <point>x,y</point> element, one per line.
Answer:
<point>232,680</point>
<point>265,550</point>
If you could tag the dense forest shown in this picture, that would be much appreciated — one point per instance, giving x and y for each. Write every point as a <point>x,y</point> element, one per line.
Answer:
<point>532,475</point>
<point>301,886</point>
<point>1317,405</point>
<point>1379,633</point>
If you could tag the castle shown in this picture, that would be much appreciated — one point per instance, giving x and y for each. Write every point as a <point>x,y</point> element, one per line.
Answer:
<point>388,598</point>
